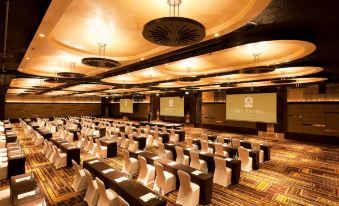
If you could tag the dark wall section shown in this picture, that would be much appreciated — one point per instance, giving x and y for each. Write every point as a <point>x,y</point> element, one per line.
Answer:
<point>2,106</point>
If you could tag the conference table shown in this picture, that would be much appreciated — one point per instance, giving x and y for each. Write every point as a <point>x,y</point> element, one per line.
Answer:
<point>10,136</point>
<point>45,133</point>
<point>34,125</point>
<point>205,181</point>
<point>72,151</point>
<point>130,190</point>
<point>233,164</point>
<point>233,151</point>
<point>16,160</point>
<point>24,191</point>
<point>112,147</point>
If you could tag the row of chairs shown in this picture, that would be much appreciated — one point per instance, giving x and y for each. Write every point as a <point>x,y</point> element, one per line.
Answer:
<point>189,192</point>
<point>87,144</point>
<point>96,194</point>
<point>54,155</point>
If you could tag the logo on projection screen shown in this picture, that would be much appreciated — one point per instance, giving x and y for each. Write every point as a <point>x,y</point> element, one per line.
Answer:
<point>170,102</point>
<point>248,102</point>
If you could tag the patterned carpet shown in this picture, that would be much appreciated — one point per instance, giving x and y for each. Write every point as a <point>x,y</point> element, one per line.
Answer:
<point>297,174</point>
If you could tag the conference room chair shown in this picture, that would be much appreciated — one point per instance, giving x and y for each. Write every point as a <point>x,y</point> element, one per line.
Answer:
<point>101,151</point>
<point>204,137</point>
<point>45,146</point>
<point>39,140</point>
<point>181,157</point>
<point>157,139</point>
<point>256,147</point>
<point>5,197</point>
<point>246,160</point>
<point>235,142</point>
<point>204,146</point>
<point>188,194</point>
<point>219,149</point>
<point>164,180</point>
<point>189,143</point>
<point>222,174</point>
<point>118,139</point>
<point>83,141</point>
<point>139,131</point>
<point>197,163</point>
<point>149,142</point>
<point>131,165</point>
<point>156,129</point>
<point>147,172</point>
<point>53,155</point>
<point>133,145</point>
<point>61,159</point>
<point>163,129</point>
<point>92,193</point>
<point>148,128</point>
<point>173,136</point>
<point>220,139</point>
<point>49,150</point>
<point>122,202</point>
<point>164,153</point>
<point>107,197</point>
<point>69,136</point>
<point>124,141</point>
<point>92,148</point>
<point>80,182</point>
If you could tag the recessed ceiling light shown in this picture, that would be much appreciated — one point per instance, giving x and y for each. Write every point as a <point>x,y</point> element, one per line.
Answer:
<point>186,92</point>
<point>42,35</point>
<point>141,59</point>
<point>28,58</point>
<point>157,94</point>
<point>216,34</point>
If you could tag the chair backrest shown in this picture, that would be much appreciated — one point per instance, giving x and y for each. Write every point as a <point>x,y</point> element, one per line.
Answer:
<point>125,154</point>
<point>219,163</point>
<point>189,142</point>
<point>76,168</point>
<point>159,171</point>
<point>204,137</point>
<point>243,153</point>
<point>236,142</point>
<point>161,147</point>
<point>255,146</point>
<point>122,202</point>
<point>101,187</point>
<point>163,129</point>
<point>180,152</point>
<point>143,165</point>
<point>185,182</point>
<point>194,156</point>
<point>221,139</point>
<point>98,144</point>
<point>204,145</point>
<point>219,149</point>
<point>88,177</point>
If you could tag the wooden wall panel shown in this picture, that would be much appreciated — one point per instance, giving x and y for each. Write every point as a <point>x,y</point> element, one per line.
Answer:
<point>18,110</point>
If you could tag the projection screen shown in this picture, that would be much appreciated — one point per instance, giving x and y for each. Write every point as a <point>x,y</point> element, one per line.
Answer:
<point>172,106</point>
<point>126,106</point>
<point>260,107</point>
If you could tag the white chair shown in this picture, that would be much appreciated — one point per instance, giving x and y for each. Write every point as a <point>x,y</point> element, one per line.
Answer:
<point>5,197</point>
<point>149,141</point>
<point>122,202</point>
<point>222,174</point>
<point>164,153</point>
<point>189,192</point>
<point>181,158</point>
<point>204,137</point>
<point>101,150</point>
<point>61,160</point>
<point>107,197</point>
<point>53,155</point>
<point>133,145</point>
<point>92,193</point>
<point>173,136</point>
<point>204,146</point>
<point>236,142</point>
<point>80,182</point>
<point>124,142</point>
<point>256,147</point>
<point>131,165</point>
<point>197,163</point>
<point>164,180</point>
<point>219,149</point>
<point>246,160</point>
<point>147,172</point>
<point>220,139</point>
<point>92,148</point>
<point>157,139</point>
<point>45,147</point>
<point>189,143</point>
<point>39,140</point>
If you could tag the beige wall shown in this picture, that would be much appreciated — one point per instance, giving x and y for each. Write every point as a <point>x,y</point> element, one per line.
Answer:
<point>20,110</point>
